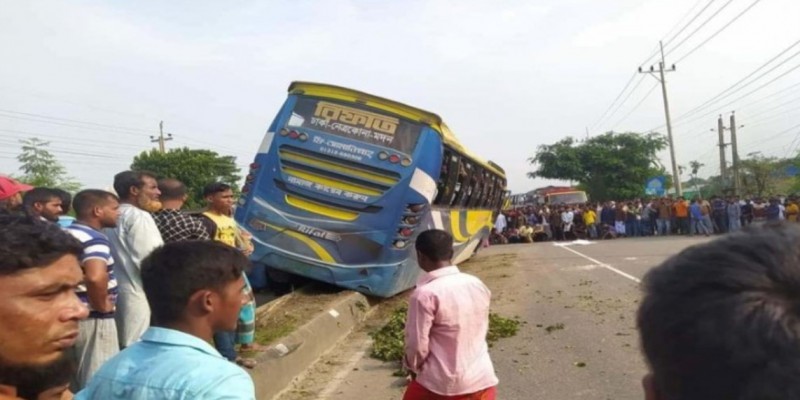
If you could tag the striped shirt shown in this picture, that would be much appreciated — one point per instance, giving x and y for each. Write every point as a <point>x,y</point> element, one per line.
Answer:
<point>95,247</point>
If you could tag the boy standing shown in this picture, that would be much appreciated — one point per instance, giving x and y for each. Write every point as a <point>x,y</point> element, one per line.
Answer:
<point>194,289</point>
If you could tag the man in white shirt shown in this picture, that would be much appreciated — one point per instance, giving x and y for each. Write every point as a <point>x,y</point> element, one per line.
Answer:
<point>500,224</point>
<point>134,238</point>
<point>567,217</point>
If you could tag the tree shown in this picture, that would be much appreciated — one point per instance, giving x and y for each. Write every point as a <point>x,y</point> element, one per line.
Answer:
<point>40,168</point>
<point>695,166</point>
<point>609,166</point>
<point>760,174</point>
<point>194,167</point>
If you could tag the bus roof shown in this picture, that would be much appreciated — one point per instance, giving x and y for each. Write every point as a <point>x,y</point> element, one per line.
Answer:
<point>403,110</point>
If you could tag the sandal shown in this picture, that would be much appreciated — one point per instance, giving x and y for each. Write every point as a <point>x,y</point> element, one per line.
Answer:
<point>248,363</point>
<point>253,347</point>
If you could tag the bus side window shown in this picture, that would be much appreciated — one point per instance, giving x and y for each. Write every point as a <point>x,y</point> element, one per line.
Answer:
<point>483,202</point>
<point>490,195</point>
<point>498,193</point>
<point>450,180</point>
<point>444,176</point>
<point>476,181</point>
<point>466,185</point>
<point>457,191</point>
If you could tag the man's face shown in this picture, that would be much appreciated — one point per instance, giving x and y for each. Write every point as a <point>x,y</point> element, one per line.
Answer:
<point>49,210</point>
<point>221,202</point>
<point>147,198</point>
<point>108,213</point>
<point>14,201</point>
<point>231,300</point>
<point>39,313</point>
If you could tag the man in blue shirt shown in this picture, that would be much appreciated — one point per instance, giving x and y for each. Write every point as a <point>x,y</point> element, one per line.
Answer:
<point>194,289</point>
<point>696,214</point>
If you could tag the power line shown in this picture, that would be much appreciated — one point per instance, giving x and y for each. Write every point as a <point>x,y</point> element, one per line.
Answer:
<point>772,96</point>
<point>779,134</point>
<point>621,103</point>
<point>646,96</point>
<point>735,87</point>
<point>745,95</point>
<point>106,130</point>
<point>48,117</point>
<point>699,27</point>
<point>614,102</point>
<point>718,32</point>
<point>79,141</point>
<point>689,23</point>
<point>677,24</point>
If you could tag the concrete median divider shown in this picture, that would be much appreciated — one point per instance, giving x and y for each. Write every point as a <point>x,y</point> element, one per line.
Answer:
<point>288,357</point>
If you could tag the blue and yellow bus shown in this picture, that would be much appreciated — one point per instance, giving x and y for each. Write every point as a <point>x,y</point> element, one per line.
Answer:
<point>344,181</point>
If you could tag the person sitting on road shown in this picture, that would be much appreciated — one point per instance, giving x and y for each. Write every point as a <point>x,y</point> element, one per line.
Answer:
<point>194,288</point>
<point>526,234</point>
<point>721,321</point>
<point>496,238</point>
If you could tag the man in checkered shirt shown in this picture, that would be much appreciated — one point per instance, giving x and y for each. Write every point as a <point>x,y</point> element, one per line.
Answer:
<point>175,225</point>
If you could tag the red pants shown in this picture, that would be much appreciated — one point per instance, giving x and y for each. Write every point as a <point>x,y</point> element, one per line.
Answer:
<point>415,391</point>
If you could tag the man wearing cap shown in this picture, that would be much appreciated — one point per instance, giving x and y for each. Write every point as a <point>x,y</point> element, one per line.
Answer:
<point>11,195</point>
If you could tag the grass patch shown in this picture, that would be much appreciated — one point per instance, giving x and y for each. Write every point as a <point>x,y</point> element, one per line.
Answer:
<point>267,333</point>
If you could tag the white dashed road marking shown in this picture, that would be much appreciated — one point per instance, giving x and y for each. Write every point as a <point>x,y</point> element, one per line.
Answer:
<point>604,265</point>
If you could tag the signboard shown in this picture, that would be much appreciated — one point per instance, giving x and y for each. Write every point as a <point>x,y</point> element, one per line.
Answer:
<point>656,186</point>
<point>357,122</point>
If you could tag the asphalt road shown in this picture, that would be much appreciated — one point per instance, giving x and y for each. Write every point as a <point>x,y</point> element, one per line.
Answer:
<point>579,340</point>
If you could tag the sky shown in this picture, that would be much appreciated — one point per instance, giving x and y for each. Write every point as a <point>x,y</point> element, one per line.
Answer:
<point>95,77</point>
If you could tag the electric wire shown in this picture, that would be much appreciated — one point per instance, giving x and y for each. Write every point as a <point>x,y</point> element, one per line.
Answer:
<point>704,23</point>
<point>717,32</point>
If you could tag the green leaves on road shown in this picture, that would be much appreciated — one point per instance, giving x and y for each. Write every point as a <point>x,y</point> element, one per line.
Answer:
<point>389,342</point>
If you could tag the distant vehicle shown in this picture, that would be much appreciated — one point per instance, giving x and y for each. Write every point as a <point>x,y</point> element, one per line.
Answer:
<point>344,181</point>
<point>566,198</point>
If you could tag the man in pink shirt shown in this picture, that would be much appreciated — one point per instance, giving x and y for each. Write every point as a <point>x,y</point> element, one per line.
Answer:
<point>448,317</point>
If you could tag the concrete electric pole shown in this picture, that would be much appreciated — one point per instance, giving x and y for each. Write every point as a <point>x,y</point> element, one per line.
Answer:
<point>676,178</point>
<point>731,180</point>
<point>161,139</point>
<point>722,144</point>
<point>735,156</point>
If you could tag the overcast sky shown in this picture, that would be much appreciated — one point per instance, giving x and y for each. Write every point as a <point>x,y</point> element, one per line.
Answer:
<point>506,76</point>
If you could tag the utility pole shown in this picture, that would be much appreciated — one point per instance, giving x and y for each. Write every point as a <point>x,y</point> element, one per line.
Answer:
<point>161,139</point>
<point>661,65</point>
<point>722,164</point>
<point>735,155</point>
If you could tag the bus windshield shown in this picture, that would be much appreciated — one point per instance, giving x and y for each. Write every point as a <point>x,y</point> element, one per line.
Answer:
<point>357,122</point>
<point>567,198</point>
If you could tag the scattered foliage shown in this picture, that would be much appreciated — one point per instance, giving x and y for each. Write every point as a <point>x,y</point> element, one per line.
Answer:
<point>389,340</point>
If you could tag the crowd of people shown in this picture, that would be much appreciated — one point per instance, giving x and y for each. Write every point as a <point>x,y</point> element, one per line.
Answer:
<point>641,217</point>
<point>117,238</point>
<point>125,301</point>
